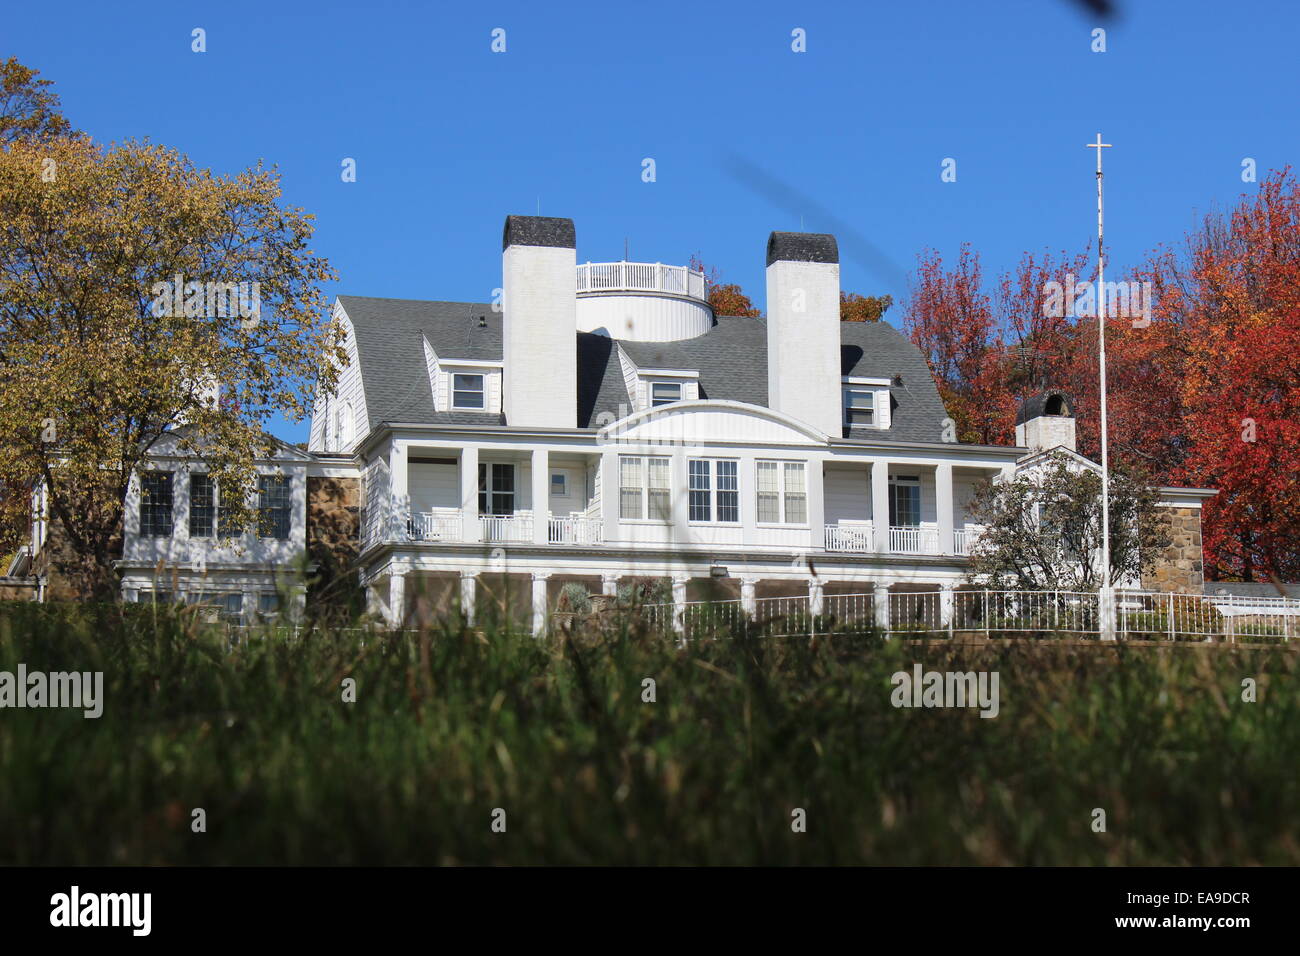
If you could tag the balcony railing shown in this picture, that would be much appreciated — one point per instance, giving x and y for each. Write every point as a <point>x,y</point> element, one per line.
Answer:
<point>506,529</point>
<point>642,277</point>
<point>440,525</point>
<point>575,529</point>
<point>854,538</point>
<point>909,540</point>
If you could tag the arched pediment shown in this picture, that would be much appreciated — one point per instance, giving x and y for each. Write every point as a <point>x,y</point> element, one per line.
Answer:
<point>710,422</point>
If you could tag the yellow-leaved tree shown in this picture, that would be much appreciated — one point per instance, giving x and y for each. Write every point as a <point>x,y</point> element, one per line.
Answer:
<point>142,296</point>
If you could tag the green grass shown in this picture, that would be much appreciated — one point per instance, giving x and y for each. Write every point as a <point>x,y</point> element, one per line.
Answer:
<point>450,724</point>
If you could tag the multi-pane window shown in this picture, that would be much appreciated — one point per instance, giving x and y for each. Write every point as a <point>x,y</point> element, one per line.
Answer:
<point>268,604</point>
<point>467,391</point>
<point>782,492</point>
<point>202,506</point>
<point>273,509</point>
<point>714,493</point>
<point>662,393</point>
<point>644,487</point>
<point>228,607</point>
<point>156,503</point>
<point>496,488</point>
<point>905,502</point>
<point>859,407</point>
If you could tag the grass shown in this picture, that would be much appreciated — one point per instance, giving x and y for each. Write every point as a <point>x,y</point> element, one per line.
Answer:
<point>450,724</point>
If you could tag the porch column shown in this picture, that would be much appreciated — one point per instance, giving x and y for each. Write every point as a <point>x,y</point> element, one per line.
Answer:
<point>541,496</point>
<point>401,508</point>
<point>609,585</point>
<point>882,606</point>
<point>880,504</point>
<point>679,602</point>
<point>609,494</point>
<point>943,506</point>
<point>748,596</point>
<point>814,481</point>
<point>396,599</point>
<point>471,527</point>
<point>816,596</point>
<point>539,602</point>
<point>947,604</point>
<point>468,594</point>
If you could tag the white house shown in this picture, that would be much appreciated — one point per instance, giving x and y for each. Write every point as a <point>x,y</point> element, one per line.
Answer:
<point>603,425</point>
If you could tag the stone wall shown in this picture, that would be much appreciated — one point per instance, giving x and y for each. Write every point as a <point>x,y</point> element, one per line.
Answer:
<point>333,542</point>
<point>1181,567</point>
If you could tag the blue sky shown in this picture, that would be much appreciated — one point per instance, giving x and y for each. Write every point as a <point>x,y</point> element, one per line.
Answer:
<point>449,137</point>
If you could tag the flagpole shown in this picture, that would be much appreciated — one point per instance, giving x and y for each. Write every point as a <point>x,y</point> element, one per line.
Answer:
<point>1106,595</point>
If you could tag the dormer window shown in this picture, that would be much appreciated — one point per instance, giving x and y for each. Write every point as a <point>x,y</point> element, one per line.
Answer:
<point>467,391</point>
<point>664,393</point>
<point>859,407</point>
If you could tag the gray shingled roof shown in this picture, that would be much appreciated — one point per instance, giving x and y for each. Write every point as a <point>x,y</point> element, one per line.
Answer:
<point>731,360</point>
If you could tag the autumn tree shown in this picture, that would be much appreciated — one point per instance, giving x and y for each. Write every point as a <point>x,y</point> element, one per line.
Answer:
<point>29,109</point>
<point>728,299</point>
<point>132,286</point>
<point>1227,310</point>
<point>863,308</point>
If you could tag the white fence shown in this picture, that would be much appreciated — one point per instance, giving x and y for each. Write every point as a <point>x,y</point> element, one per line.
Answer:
<point>1139,615</point>
<point>641,277</point>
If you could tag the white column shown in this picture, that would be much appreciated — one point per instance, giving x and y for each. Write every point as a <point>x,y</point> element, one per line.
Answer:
<point>813,483</point>
<point>748,597</point>
<point>468,594</point>
<point>539,602</point>
<point>746,485</point>
<point>947,604</point>
<point>679,602</point>
<point>880,504</point>
<point>943,506</point>
<point>401,514</point>
<point>472,529</point>
<point>680,495</point>
<point>396,599</point>
<point>882,606</point>
<point>816,596</point>
<point>609,494</point>
<point>541,467</point>
<point>609,585</point>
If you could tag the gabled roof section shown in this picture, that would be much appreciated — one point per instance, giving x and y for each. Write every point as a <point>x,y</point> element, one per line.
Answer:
<point>390,337</point>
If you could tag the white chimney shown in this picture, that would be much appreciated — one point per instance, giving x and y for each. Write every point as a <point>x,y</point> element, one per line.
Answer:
<point>539,325</point>
<point>1045,422</point>
<point>803,328</point>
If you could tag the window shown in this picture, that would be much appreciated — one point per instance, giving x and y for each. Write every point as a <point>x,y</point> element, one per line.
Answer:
<point>560,484</point>
<point>859,407</point>
<point>225,520</point>
<point>496,488</point>
<point>905,502</point>
<point>227,607</point>
<point>273,507</point>
<point>662,393</point>
<point>782,492</point>
<point>644,488</point>
<point>202,506</point>
<point>156,504</point>
<point>268,604</point>
<point>713,490</point>
<point>345,426</point>
<point>467,391</point>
